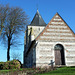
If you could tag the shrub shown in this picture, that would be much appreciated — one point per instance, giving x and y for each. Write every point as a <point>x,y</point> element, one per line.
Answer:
<point>6,65</point>
<point>14,64</point>
<point>1,65</point>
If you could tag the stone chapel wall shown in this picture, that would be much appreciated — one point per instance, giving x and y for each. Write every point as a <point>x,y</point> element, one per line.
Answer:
<point>70,53</point>
<point>35,31</point>
<point>44,51</point>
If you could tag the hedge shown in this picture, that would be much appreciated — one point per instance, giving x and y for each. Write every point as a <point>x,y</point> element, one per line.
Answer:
<point>14,64</point>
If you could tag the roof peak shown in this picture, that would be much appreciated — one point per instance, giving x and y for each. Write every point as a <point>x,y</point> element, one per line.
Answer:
<point>38,20</point>
<point>37,10</point>
<point>57,13</point>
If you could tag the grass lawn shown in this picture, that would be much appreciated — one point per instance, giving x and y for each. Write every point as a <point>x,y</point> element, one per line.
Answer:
<point>61,71</point>
<point>6,71</point>
<point>58,71</point>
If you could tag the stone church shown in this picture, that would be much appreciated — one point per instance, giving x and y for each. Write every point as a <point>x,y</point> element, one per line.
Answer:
<point>44,43</point>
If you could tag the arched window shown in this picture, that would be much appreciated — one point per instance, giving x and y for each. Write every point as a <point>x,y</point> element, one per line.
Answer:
<point>58,47</point>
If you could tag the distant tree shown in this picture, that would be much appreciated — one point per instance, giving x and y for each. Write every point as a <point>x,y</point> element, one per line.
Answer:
<point>13,21</point>
<point>16,56</point>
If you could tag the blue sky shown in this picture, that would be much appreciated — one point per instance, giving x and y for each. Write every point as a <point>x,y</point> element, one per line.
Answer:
<point>47,9</point>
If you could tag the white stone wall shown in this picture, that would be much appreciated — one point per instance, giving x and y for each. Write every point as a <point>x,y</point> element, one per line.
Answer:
<point>45,53</point>
<point>57,30</point>
<point>70,53</point>
<point>35,31</point>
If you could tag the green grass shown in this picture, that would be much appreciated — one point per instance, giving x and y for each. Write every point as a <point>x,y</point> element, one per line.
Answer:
<point>12,70</point>
<point>61,71</point>
<point>16,70</point>
<point>58,71</point>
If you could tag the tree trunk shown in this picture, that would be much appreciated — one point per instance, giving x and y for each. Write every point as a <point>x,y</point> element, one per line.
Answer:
<point>8,50</point>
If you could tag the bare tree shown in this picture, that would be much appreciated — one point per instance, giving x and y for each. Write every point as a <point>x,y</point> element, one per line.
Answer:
<point>14,21</point>
<point>3,15</point>
<point>16,56</point>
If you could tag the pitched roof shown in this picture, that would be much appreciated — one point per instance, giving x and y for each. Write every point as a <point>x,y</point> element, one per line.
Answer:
<point>57,30</point>
<point>38,20</point>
